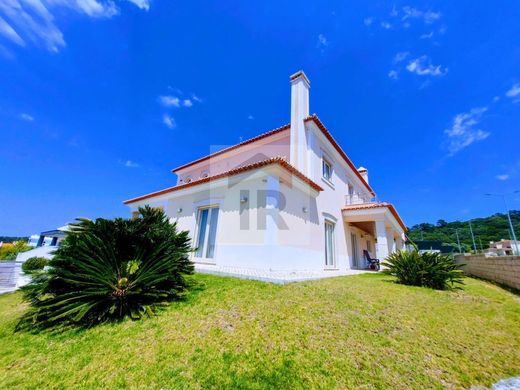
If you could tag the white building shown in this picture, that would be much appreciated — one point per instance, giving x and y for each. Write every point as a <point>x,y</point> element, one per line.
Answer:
<point>288,199</point>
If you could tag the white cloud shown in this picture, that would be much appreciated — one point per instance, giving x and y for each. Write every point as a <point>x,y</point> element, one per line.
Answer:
<point>463,133</point>
<point>23,21</point>
<point>169,101</point>
<point>514,91</point>
<point>427,36</point>
<point>250,117</point>
<point>427,16</point>
<point>143,4</point>
<point>169,121</point>
<point>401,56</point>
<point>496,98</point>
<point>322,42</point>
<point>131,164</point>
<point>187,103</point>
<point>196,98</point>
<point>26,117</point>
<point>502,177</point>
<point>423,66</point>
<point>8,32</point>
<point>386,25</point>
<point>393,74</point>
<point>368,21</point>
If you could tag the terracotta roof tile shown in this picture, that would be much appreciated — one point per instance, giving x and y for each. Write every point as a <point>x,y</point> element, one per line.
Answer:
<point>329,136</point>
<point>281,161</point>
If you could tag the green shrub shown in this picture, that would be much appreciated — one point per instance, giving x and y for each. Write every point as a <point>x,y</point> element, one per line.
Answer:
<point>34,264</point>
<point>432,270</point>
<point>108,269</point>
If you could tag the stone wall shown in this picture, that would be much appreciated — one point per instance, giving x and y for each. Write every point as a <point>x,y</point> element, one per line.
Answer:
<point>504,269</point>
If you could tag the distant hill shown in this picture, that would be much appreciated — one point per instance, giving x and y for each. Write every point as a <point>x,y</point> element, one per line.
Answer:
<point>486,229</point>
<point>12,239</point>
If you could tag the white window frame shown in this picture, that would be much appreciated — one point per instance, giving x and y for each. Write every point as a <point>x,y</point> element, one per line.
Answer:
<point>326,163</point>
<point>204,258</point>
<point>333,264</point>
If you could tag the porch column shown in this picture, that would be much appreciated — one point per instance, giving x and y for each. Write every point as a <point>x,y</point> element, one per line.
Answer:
<point>382,241</point>
<point>399,243</point>
<point>390,240</point>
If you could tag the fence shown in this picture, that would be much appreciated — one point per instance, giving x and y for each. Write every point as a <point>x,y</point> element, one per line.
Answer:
<point>502,269</point>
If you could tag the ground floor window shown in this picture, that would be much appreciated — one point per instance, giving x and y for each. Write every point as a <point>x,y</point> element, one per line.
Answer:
<point>330,260</point>
<point>207,219</point>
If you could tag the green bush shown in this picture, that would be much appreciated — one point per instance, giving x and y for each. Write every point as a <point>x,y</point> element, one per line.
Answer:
<point>108,269</point>
<point>34,264</point>
<point>432,270</point>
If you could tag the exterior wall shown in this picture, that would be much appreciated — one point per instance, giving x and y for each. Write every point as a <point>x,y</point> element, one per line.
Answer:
<point>332,198</point>
<point>504,270</point>
<point>266,232</point>
<point>273,146</point>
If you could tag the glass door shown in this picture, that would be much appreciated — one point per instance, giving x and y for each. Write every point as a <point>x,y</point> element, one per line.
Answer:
<point>207,220</point>
<point>330,260</point>
<point>355,255</point>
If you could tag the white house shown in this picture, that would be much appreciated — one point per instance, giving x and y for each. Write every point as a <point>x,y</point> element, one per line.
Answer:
<point>288,199</point>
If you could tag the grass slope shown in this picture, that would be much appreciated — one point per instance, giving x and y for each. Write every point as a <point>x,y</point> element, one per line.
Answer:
<point>342,332</point>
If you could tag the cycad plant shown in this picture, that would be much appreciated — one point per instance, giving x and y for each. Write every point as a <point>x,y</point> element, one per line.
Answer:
<point>433,270</point>
<point>109,269</point>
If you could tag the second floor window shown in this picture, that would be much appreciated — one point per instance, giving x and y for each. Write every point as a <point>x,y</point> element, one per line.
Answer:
<point>327,170</point>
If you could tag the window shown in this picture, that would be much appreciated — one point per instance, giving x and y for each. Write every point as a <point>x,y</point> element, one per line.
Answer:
<point>207,220</point>
<point>330,260</point>
<point>327,170</point>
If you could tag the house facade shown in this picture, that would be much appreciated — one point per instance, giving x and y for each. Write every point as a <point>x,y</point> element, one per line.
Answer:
<point>288,199</point>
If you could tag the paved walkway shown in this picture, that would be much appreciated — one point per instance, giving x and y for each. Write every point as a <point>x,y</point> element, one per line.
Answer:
<point>11,276</point>
<point>271,276</point>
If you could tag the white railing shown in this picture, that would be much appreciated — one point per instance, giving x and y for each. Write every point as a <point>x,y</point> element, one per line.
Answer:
<point>359,198</point>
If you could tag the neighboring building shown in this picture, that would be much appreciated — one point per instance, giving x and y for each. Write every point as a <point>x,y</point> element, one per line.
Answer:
<point>288,199</point>
<point>434,246</point>
<point>48,238</point>
<point>503,247</point>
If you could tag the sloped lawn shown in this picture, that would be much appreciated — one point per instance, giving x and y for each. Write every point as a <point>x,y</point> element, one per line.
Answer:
<point>349,332</point>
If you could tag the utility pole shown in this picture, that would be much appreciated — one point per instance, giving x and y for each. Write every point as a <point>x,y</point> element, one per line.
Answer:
<point>458,239</point>
<point>480,241</point>
<point>511,227</point>
<point>472,237</point>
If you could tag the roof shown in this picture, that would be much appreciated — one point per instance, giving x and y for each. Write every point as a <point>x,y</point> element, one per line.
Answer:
<point>313,118</point>
<point>331,139</point>
<point>281,161</point>
<point>243,143</point>
<point>375,205</point>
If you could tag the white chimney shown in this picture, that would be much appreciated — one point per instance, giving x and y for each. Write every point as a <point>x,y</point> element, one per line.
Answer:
<point>300,85</point>
<point>364,173</point>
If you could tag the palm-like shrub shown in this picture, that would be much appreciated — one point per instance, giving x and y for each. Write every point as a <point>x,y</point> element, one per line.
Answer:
<point>109,269</point>
<point>34,264</point>
<point>432,270</point>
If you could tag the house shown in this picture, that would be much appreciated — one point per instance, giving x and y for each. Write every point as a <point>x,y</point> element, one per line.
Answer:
<point>503,247</point>
<point>287,199</point>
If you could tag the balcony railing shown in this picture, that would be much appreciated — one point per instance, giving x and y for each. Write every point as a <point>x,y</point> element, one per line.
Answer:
<point>358,198</point>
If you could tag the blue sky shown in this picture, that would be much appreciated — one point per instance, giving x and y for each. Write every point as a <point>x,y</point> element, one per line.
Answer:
<point>100,99</point>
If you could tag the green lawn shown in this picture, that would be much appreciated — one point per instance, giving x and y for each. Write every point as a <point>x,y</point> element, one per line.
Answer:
<point>350,332</point>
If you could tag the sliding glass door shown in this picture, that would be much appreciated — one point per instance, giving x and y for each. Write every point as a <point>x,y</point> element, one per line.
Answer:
<point>207,220</point>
